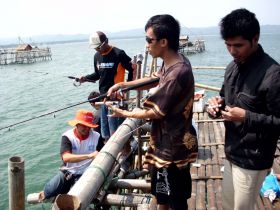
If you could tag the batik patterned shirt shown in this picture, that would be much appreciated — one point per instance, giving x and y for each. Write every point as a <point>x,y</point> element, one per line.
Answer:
<point>173,139</point>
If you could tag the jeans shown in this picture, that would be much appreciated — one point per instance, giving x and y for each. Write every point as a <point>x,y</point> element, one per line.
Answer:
<point>59,185</point>
<point>109,124</point>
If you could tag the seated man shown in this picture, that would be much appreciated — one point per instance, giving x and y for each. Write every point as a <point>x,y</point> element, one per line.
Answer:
<point>79,146</point>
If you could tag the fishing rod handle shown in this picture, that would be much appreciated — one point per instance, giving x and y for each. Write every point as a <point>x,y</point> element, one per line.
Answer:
<point>143,84</point>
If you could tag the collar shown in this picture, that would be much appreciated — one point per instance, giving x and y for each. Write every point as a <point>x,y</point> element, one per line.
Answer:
<point>108,51</point>
<point>252,58</point>
<point>81,138</point>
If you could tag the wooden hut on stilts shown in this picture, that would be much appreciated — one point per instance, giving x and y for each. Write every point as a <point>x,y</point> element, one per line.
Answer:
<point>24,54</point>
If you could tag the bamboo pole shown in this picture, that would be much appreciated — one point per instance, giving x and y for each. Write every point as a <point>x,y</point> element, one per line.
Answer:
<point>144,66</point>
<point>206,177</point>
<point>209,67</point>
<point>86,188</point>
<point>211,190</point>
<point>141,184</point>
<point>210,120</point>
<point>260,204</point>
<point>139,60</point>
<point>130,200</point>
<point>193,171</point>
<point>136,174</point>
<point>215,138</point>
<point>139,96</point>
<point>200,199</point>
<point>16,183</point>
<point>207,87</point>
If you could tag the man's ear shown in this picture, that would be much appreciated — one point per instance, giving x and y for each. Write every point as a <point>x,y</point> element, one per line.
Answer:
<point>164,42</point>
<point>256,39</point>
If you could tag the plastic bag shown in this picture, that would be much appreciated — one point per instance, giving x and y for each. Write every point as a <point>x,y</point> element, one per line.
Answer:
<point>270,187</point>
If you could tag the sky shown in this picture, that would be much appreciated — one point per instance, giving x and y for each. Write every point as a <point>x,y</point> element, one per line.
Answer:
<point>27,18</point>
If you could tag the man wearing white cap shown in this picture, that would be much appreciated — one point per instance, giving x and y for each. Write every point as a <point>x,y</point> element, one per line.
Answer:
<point>110,64</point>
<point>79,146</point>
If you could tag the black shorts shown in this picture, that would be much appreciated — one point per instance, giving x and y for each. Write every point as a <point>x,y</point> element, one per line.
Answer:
<point>171,186</point>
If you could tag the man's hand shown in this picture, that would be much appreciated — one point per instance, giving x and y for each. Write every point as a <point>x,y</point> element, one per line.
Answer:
<point>116,112</point>
<point>112,91</point>
<point>82,79</point>
<point>92,155</point>
<point>234,114</point>
<point>214,105</point>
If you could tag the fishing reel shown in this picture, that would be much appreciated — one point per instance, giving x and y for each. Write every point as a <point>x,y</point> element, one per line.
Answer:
<point>118,104</point>
<point>76,81</point>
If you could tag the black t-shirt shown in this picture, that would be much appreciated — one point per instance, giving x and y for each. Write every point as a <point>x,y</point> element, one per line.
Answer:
<point>110,68</point>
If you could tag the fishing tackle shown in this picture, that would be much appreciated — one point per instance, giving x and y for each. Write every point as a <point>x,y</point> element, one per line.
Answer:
<point>77,82</point>
<point>93,100</point>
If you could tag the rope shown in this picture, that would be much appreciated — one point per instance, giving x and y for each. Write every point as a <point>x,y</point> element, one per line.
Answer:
<point>112,156</point>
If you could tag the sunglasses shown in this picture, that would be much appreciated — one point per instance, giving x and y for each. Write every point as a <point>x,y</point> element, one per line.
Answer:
<point>150,40</point>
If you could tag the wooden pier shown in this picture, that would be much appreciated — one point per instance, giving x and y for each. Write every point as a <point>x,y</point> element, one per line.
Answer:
<point>207,172</point>
<point>24,54</point>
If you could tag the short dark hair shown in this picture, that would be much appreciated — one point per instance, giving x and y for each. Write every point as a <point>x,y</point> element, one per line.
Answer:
<point>165,27</point>
<point>93,94</point>
<point>240,22</point>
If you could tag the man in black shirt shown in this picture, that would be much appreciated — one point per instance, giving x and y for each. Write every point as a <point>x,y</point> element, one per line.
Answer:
<point>250,103</point>
<point>109,68</point>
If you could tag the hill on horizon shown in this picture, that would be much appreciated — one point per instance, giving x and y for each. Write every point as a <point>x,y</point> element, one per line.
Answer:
<point>60,38</point>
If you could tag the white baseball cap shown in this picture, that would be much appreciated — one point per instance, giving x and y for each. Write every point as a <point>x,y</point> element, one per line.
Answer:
<point>96,39</point>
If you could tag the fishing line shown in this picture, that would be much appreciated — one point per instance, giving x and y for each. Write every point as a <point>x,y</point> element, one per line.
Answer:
<point>96,99</point>
<point>58,110</point>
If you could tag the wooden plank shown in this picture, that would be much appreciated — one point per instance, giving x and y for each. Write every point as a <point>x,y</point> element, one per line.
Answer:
<point>259,204</point>
<point>210,161</point>
<point>211,144</point>
<point>206,177</point>
<point>192,200</point>
<point>267,204</point>
<point>193,171</point>
<point>201,184</point>
<point>218,187</point>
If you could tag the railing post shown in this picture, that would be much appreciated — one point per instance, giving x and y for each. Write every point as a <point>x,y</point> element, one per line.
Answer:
<point>16,183</point>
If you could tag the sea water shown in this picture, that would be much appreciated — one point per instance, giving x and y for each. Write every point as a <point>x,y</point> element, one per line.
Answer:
<point>30,90</point>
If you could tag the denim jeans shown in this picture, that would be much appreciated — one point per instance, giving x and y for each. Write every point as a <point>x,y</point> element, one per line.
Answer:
<point>109,124</point>
<point>59,185</point>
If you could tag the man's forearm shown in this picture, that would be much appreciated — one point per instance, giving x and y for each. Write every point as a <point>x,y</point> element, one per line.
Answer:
<point>73,158</point>
<point>136,82</point>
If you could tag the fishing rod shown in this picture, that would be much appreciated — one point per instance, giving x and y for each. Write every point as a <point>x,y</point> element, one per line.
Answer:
<point>93,100</point>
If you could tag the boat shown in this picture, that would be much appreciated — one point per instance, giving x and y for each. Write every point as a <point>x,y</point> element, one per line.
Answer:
<point>188,47</point>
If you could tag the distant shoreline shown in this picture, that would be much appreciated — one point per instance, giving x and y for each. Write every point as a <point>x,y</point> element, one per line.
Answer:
<point>135,33</point>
